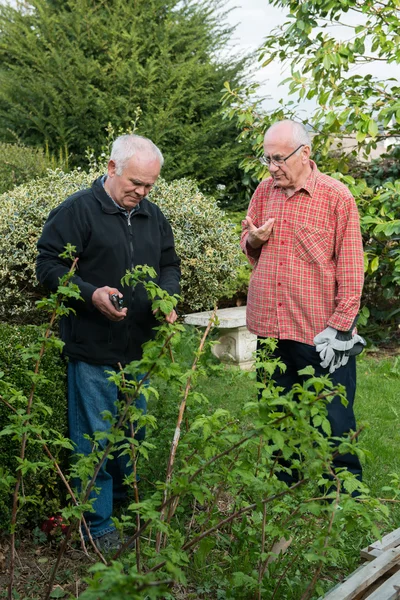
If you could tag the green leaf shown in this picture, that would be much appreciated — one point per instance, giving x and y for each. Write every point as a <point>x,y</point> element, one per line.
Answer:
<point>309,370</point>
<point>360,136</point>
<point>373,128</point>
<point>374,264</point>
<point>58,592</point>
<point>326,427</point>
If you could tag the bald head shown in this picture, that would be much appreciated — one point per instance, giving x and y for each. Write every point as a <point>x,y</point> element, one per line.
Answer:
<point>289,132</point>
<point>287,154</point>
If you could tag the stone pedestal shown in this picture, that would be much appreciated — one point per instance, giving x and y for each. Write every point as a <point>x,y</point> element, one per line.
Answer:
<point>236,343</point>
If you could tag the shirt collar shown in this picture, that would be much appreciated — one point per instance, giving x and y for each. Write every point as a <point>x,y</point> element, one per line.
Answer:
<point>121,208</point>
<point>310,183</point>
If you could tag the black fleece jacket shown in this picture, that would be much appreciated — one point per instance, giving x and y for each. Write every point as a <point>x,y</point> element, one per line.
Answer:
<point>107,243</point>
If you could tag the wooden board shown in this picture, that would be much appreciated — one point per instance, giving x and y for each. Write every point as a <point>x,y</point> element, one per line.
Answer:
<point>369,553</point>
<point>391,540</point>
<point>361,579</point>
<point>389,590</point>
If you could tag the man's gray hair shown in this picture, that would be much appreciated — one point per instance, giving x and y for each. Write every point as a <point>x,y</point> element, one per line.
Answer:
<point>300,134</point>
<point>126,146</point>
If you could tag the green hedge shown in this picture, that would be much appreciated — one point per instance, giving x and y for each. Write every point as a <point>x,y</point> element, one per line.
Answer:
<point>206,242</point>
<point>19,164</point>
<point>52,394</point>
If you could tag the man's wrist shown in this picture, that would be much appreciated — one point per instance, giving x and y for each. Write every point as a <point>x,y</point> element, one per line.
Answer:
<point>254,245</point>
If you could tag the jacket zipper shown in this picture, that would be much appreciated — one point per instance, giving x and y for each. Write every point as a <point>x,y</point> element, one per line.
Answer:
<point>130,238</point>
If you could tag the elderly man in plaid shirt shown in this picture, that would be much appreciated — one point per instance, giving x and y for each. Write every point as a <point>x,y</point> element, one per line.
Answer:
<point>302,237</point>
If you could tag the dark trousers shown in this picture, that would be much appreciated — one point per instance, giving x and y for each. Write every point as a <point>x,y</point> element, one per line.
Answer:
<point>297,356</point>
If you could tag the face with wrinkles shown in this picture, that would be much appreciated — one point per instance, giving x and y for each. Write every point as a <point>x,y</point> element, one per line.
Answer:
<point>134,183</point>
<point>293,158</point>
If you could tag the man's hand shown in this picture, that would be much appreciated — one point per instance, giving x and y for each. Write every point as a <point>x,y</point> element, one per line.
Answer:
<point>101,300</point>
<point>335,347</point>
<point>170,318</point>
<point>258,235</point>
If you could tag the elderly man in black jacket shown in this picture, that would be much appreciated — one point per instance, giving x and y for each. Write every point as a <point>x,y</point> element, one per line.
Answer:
<point>114,227</point>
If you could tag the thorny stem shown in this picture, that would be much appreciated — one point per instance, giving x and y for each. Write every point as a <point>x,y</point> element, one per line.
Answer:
<point>231,517</point>
<point>177,434</point>
<point>174,497</point>
<point>136,492</point>
<point>237,444</point>
<point>122,420</point>
<point>313,582</point>
<point>24,441</point>
<point>261,566</point>
<point>106,452</point>
<point>65,482</point>
<point>285,570</point>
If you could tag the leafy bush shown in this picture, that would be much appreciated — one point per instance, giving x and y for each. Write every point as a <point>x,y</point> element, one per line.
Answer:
<point>52,393</point>
<point>221,508</point>
<point>378,171</point>
<point>19,164</point>
<point>380,226</point>
<point>205,241</point>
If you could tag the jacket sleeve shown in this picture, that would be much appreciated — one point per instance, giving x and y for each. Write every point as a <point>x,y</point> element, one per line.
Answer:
<point>349,264</point>
<point>61,228</point>
<point>170,272</point>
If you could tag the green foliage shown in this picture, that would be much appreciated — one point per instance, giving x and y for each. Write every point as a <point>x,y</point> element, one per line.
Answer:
<point>221,507</point>
<point>378,171</point>
<point>348,105</point>
<point>69,68</point>
<point>19,164</point>
<point>380,224</point>
<point>205,241</point>
<point>51,391</point>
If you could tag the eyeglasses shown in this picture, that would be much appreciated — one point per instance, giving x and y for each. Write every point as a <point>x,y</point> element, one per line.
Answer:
<point>278,162</point>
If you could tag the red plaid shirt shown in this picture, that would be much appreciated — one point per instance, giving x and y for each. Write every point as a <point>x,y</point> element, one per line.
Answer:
<point>310,272</point>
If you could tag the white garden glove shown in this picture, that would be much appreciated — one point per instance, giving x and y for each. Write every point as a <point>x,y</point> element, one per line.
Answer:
<point>335,347</point>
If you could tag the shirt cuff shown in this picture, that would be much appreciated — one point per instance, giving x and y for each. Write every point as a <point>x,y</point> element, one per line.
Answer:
<point>341,322</point>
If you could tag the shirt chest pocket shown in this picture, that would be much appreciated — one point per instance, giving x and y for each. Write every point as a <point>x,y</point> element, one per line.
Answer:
<point>313,245</point>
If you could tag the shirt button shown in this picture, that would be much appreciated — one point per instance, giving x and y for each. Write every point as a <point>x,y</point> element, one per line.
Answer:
<point>279,284</point>
<point>280,264</point>
<point>279,303</point>
<point>282,243</point>
<point>284,220</point>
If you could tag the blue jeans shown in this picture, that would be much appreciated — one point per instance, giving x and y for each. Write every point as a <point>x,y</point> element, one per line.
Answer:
<point>89,394</point>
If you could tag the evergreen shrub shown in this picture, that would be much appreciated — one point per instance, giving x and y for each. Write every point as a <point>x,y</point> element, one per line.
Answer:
<point>205,241</point>
<point>19,163</point>
<point>52,393</point>
<point>62,84</point>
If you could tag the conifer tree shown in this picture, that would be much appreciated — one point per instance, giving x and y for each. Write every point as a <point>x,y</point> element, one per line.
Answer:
<point>70,67</point>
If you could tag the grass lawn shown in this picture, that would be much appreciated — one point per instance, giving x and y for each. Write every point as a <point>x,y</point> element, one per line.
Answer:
<point>378,406</point>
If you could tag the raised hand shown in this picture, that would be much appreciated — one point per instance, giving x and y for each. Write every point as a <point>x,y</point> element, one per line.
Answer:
<point>258,235</point>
